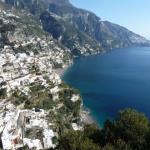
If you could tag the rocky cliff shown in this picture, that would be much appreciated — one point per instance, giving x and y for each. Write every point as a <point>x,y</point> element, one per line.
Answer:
<point>81,31</point>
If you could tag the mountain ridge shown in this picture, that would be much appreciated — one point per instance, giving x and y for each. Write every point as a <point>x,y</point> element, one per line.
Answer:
<point>80,30</point>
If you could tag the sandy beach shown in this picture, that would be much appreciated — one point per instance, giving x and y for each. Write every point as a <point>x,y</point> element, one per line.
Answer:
<point>61,71</point>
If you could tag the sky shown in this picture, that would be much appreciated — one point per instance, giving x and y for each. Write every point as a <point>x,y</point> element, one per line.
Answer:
<point>132,14</point>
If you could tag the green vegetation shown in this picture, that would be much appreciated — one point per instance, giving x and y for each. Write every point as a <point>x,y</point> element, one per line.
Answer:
<point>18,97</point>
<point>57,65</point>
<point>51,25</point>
<point>3,93</point>
<point>69,106</point>
<point>72,34</point>
<point>35,133</point>
<point>37,98</point>
<point>4,28</point>
<point>7,27</point>
<point>129,131</point>
<point>26,49</point>
<point>62,111</point>
<point>76,140</point>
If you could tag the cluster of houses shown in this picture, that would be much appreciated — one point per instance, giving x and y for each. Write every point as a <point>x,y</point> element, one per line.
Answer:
<point>15,125</point>
<point>18,70</point>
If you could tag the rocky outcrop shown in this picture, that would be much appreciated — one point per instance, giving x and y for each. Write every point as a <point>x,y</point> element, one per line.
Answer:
<point>81,31</point>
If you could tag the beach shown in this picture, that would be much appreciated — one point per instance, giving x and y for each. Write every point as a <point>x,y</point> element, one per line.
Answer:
<point>61,71</point>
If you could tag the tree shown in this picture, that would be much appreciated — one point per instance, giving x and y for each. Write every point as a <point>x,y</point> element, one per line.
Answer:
<point>94,133</point>
<point>130,126</point>
<point>75,140</point>
<point>3,92</point>
<point>129,131</point>
<point>121,145</point>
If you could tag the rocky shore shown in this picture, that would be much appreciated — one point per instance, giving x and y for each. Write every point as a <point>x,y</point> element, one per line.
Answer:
<point>87,118</point>
<point>85,114</point>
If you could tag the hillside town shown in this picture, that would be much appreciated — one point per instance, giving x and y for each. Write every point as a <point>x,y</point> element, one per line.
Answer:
<point>34,101</point>
<point>20,70</point>
<point>17,125</point>
<point>21,127</point>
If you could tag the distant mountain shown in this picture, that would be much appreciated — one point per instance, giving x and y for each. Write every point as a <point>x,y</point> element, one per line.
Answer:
<point>81,31</point>
<point>109,35</point>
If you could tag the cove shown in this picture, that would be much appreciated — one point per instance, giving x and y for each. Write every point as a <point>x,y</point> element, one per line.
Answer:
<point>113,81</point>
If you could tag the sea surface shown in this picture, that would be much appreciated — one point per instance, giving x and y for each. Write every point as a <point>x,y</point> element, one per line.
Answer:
<point>113,81</point>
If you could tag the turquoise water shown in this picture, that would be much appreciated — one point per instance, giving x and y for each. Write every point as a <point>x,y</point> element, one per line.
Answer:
<point>113,81</point>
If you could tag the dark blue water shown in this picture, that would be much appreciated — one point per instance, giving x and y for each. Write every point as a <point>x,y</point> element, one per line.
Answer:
<point>113,81</point>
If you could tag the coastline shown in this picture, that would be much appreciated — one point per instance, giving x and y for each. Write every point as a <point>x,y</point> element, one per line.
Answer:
<point>61,71</point>
<point>86,117</point>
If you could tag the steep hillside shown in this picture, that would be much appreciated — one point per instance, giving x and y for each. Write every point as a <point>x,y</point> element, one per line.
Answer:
<point>79,30</point>
<point>109,35</point>
<point>36,106</point>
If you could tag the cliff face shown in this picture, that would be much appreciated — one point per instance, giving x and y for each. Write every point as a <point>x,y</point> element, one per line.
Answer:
<point>79,30</point>
<point>108,34</point>
<point>59,2</point>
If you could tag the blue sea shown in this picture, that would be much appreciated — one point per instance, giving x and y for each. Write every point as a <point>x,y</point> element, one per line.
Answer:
<point>113,81</point>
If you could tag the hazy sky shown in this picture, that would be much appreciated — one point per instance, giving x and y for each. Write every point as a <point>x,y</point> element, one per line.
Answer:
<point>133,14</point>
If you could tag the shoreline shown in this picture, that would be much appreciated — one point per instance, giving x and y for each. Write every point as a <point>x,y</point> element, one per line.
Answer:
<point>86,117</point>
<point>61,71</point>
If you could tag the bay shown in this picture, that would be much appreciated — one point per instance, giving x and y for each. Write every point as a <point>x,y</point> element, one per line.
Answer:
<point>113,81</point>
